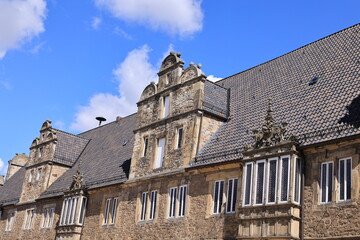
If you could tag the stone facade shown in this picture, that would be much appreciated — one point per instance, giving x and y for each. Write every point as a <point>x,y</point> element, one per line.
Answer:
<point>203,160</point>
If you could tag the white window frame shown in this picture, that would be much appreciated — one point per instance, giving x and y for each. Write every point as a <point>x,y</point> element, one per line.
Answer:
<point>231,201</point>
<point>268,180</point>
<point>345,179</point>
<point>182,200</point>
<point>82,210</point>
<point>107,211</point>
<point>143,210</point>
<point>327,181</point>
<point>153,203</point>
<point>173,192</point>
<point>114,211</point>
<point>245,183</point>
<point>29,219</point>
<point>263,182</point>
<point>217,203</point>
<point>299,175</point>
<point>281,178</point>
<point>10,220</point>
<point>160,154</point>
<point>48,217</point>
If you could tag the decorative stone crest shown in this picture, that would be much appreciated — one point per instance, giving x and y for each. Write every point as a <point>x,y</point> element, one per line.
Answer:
<point>270,133</point>
<point>78,180</point>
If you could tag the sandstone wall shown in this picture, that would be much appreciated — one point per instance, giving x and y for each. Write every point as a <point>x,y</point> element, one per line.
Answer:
<point>337,218</point>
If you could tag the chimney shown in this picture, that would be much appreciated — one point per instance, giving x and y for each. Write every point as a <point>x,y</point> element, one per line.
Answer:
<point>118,118</point>
<point>2,180</point>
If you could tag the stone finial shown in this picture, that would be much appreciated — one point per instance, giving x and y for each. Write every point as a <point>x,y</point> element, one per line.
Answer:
<point>172,52</point>
<point>199,66</point>
<point>191,64</point>
<point>178,54</point>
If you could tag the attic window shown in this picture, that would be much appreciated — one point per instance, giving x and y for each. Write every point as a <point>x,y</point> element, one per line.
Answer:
<point>313,81</point>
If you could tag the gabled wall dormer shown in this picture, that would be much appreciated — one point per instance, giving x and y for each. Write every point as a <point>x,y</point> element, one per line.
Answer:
<point>51,154</point>
<point>39,166</point>
<point>176,117</point>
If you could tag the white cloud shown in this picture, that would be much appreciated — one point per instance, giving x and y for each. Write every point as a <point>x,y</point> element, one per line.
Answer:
<point>213,78</point>
<point>122,33</point>
<point>96,21</point>
<point>20,21</point>
<point>175,17</point>
<point>2,167</point>
<point>132,75</point>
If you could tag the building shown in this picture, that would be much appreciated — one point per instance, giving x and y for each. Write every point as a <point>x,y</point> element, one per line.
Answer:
<point>268,153</point>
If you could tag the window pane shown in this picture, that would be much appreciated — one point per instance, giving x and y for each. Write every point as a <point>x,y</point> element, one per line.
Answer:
<point>233,205</point>
<point>82,210</point>
<point>342,179</point>
<point>297,181</point>
<point>348,179</point>
<point>179,137</point>
<point>114,208</point>
<point>248,183</point>
<point>221,195</point>
<point>330,182</point>
<point>153,198</point>
<point>260,182</point>
<point>143,205</point>
<point>229,195</point>
<point>160,152</point>
<point>272,181</point>
<point>216,196</point>
<point>106,214</point>
<point>323,181</point>
<point>146,141</point>
<point>284,179</point>
<point>182,200</point>
<point>166,106</point>
<point>172,202</point>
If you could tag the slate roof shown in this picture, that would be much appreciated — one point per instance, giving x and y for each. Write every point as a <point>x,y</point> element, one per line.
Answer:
<point>106,158</point>
<point>11,191</point>
<point>68,147</point>
<point>326,110</point>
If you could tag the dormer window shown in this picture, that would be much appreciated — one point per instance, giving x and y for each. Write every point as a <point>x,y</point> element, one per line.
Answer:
<point>166,107</point>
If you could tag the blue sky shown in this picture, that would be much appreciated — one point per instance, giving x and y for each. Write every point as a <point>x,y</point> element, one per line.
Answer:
<point>69,61</point>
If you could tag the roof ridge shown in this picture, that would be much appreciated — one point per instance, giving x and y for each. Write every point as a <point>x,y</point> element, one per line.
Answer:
<point>306,45</point>
<point>108,123</point>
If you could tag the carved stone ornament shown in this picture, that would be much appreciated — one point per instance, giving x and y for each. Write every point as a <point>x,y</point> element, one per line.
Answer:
<point>270,134</point>
<point>77,182</point>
